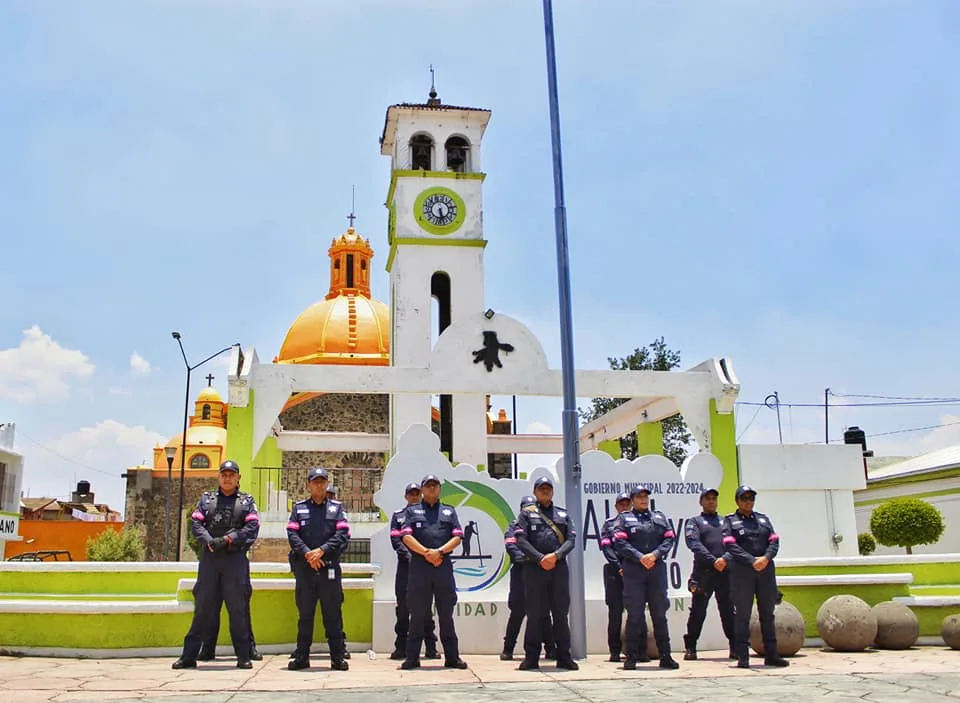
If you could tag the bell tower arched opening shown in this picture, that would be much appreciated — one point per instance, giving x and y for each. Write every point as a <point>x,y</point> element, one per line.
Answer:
<point>458,155</point>
<point>421,152</point>
<point>440,292</point>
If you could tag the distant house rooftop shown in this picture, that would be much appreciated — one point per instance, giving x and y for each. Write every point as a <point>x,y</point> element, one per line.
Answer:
<point>942,459</point>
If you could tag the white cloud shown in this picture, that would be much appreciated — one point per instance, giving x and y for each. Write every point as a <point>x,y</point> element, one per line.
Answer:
<point>118,390</point>
<point>139,365</point>
<point>914,443</point>
<point>39,368</point>
<point>98,454</point>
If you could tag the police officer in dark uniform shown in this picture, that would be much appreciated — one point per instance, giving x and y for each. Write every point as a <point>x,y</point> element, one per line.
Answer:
<point>226,524</point>
<point>709,577</point>
<point>431,531</point>
<point>516,599</point>
<point>402,628</point>
<point>318,533</point>
<point>751,544</point>
<point>613,580</point>
<point>644,539</point>
<point>546,534</point>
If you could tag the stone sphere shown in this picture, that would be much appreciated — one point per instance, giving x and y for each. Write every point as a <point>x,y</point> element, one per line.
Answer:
<point>846,623</point>
<point>790,626</point>
<point>950,631</point>
<point>897,626</point>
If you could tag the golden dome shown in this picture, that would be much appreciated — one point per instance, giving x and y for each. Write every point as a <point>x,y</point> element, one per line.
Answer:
<point>348,326</point>
<point>201,434</point>
<point>209,395</point>
<point>347,329</point>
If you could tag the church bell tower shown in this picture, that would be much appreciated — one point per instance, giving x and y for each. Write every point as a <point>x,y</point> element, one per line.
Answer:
<point>436,243</point>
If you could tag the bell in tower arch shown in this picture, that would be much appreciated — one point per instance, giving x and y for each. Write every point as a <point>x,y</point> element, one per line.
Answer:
<point>457,148</point>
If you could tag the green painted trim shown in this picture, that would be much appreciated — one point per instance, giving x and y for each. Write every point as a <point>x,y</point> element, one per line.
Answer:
<point>9,514</point>
<point>419,173</point>
<point>440,230</point>
<point>431,242</point>
<point>918,478</point>
<point>391,223</point>
<point>650,438</point>
<point>929,494</point>
<point>611,447</point>
<point>723,445</point>
<point>924,574</point>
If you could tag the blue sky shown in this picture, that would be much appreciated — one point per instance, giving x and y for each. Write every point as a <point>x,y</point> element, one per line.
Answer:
<point>772,182</point>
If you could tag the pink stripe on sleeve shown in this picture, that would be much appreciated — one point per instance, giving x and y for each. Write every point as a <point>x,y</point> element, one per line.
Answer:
<point>729,540</point>
<point>293,526</point>
<point>457,532</point>
<point>197,515</point>
<point>619,535</point>
<point>605,542</point>
<point>343,525</point>
<point>510,540</point>
<point>395,533</point>
<point>668,533</point>
<point>406,531</point>
<point>252,517</point>
<point>774,537</point>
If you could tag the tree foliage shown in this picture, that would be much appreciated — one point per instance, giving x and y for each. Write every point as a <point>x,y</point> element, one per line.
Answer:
<point>866,544</point>
<point>115,545</point>
<point>656,356</point>
<point>906,522</point>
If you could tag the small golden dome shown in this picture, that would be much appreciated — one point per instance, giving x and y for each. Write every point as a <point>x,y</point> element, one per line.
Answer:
<point>209,395</point>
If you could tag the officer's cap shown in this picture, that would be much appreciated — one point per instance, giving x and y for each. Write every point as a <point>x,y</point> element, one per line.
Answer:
<point>622,496</point>
<point>411,487</point>
<point>707,491</point>
<point>318,473</point>
<point>332,490</point>
<point>745,490</point>
<point>637,490</point>
<point>429,478</point>
<point>527,500</point>
<point>543,481</point>
<point>229,466</point>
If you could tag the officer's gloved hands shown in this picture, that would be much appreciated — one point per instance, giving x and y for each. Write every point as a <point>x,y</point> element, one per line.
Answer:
<point>219,544</point>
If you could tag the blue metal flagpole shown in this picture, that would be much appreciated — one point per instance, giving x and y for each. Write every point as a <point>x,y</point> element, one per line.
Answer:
<point>571,430</point>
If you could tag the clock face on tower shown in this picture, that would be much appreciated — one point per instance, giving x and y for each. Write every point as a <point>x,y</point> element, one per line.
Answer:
<point>439,211</point>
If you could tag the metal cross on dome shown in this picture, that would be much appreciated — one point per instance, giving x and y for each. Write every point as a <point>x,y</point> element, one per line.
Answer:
<point>210,378</point>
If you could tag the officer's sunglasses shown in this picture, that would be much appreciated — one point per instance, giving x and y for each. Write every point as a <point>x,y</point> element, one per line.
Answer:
<point>748,499</point>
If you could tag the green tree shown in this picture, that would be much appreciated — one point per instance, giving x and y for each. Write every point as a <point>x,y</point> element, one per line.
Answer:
<point>866,544</point>
<point>656,356</point>
<point>114,545</point>
<point>906,522</point>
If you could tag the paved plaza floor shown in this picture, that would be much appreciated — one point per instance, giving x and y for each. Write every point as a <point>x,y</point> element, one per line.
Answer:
<point>928,674</point>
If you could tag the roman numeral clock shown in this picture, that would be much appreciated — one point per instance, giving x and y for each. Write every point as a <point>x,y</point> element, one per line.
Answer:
<point>439,210</point>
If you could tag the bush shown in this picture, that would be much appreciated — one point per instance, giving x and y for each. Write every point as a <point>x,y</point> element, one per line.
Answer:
<point>113,545</point>
<point>906,522</point>
<point>866,544</point>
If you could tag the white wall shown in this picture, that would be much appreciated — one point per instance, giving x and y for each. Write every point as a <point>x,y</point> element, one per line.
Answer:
<point>12,485</point>
<point>807,491</point>
<point>949,506</point>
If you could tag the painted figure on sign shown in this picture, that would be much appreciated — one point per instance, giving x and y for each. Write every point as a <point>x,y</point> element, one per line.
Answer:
<point>469,532</point>
<point>490,353</point>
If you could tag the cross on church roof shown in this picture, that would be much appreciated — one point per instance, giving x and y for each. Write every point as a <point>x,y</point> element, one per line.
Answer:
<point>210,378</point>
<point>350,218</point>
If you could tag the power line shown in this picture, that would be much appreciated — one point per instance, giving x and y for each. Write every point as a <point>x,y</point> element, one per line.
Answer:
<point>885,404</point>
<point>894,397</point>
<point>743,432</point>
<point>65,457</point>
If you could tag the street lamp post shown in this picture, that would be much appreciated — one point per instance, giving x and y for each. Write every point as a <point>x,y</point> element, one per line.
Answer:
<point>183,438</point>
<point>571,433</point>
<point>170,452</point>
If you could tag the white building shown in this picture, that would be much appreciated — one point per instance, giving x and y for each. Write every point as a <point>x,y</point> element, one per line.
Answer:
<point>933,477</point>
<point>11,479</point>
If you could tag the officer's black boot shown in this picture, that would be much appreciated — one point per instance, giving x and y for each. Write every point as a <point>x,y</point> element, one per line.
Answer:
<point>776,660</point>
<point>255,654</point>
<point>398,654</point>
<point>455,664</point>
<point>182,663</point>
<point>689,649</point>
<point>507,654</point>
<point>568,664</point>
<point>298,662</point>
<point>630,663</point>
<point>338,663</point>
<point>614,655</point>
<point>244,664</point>
<point>410,664</point>
<point>667,662</point>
